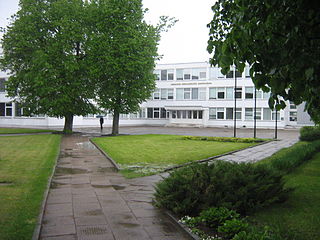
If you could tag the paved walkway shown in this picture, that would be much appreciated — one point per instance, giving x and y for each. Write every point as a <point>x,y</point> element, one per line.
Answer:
<point>257,153</point>
<point>88,200</point>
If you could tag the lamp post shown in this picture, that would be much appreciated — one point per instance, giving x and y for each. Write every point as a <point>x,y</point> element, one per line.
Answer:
<point>255,114</point>
<point>276,126</point>
<point>235,103</point>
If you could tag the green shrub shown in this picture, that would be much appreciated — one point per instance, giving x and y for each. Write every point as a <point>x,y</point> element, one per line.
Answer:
<point>255,234</point>
<point>232,227</point>
<point>214,217</point>
<point>225,139</point>
<point>241,187</point>
<point>310,133</point>
<point>294,156</point>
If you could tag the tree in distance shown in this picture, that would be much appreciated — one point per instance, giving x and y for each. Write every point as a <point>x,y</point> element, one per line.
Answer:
<point>280,40</point>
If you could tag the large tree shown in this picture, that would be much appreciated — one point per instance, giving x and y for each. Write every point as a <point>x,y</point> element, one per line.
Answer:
<point>124,50</point>
<point>44,48</point>
<point>280,40</point>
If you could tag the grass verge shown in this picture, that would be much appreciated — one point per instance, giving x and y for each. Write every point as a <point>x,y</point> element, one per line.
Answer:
<point>22,130</point>
<point>26,162</point>
<point>140,155</point>
<point>299,217</point>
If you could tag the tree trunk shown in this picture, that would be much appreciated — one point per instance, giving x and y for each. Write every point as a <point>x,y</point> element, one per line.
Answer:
<point>115,123</point>
<point>68,123</point>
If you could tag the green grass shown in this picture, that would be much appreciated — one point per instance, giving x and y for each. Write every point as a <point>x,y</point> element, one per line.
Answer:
<point>299,217</point>
<point>22,130</point>
<point>142,155</point>
<point>26,162</point>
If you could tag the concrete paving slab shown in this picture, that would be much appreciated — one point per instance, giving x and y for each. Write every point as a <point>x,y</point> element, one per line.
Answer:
<point>89,200</point>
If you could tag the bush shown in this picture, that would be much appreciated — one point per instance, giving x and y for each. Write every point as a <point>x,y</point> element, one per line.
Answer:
<point>255,234</point>
<point>309,133</point>
<point>292,157</point>
<point>225,139</point>
<point>240,187</point>
<point>214,217</point>
<point>232,227</point>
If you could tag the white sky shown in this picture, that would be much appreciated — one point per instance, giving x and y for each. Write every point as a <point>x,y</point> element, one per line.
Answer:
<point>185,42</point>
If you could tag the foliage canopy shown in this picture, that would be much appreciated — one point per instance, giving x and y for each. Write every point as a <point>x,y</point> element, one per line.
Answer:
<point>280,40</point>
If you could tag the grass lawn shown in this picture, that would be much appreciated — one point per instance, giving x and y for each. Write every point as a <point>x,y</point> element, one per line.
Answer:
<point>299,217</point>
<point>142,155</point>
<point>26,162</point>
<point>22,130</point>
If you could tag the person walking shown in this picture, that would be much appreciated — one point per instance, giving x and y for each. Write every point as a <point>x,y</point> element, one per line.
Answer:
<point>101,123</point>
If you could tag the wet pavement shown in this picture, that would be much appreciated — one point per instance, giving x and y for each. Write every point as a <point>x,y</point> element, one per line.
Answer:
<point>88,199</point>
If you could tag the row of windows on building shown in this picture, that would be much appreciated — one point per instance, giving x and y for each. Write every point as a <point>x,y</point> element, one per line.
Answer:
<point>219,113</point>
<point>7,110</point>
<point>187,74</point>
<point>214,93</point>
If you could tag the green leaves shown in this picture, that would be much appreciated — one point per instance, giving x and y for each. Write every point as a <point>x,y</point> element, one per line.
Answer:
<point>278,39</point>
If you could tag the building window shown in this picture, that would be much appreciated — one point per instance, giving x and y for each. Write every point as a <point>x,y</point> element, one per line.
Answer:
<point>212,113</point>
<point>163,113</point>
<point>195,93</point>
<point>6,109</point>
<point>156,94</point>
<point>179,93</point>
<point>220,93</point>
<point>229,113</point>
<point>157,73</point>
<point>164,74</point>
<point>199,73</point>
<point>2,84</point>
<point>187,114</point>
<point>142,113</point>
<point>212,93</point>
<point>156,113</point>
<point>229,92</point>
<point>249,92</point>
<point>267,114</point>
<point>170,93</point>
<point>258,114</point>
<point>220,113</point>
<point>292,105</point>
<point>187,74</point>
<point>274,115</point>
<point>238,92</point>
<point>167,74</point>
<point>293,116</point>
<point>191,74</point>
<point>166,93</point>
<point>179,74</point>
<point>18,110</point>
<point>202,93</point>
<point>248,114</point>
<point>186,93</point>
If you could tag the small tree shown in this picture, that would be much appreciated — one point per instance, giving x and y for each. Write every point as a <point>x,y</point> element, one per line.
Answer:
<point>281,42</point>
<point>124,48</point>
<point>45,50</point>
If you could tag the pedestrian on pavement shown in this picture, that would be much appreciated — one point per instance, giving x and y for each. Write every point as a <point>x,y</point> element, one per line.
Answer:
<point>101,123</point>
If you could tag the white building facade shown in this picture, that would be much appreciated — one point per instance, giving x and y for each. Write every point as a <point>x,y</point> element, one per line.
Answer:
<point>187,94</point>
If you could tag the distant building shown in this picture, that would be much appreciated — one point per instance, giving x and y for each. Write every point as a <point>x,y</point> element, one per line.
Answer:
<point>187,94</point>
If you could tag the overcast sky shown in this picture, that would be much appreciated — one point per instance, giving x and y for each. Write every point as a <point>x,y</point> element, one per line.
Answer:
<point>185,42</point>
